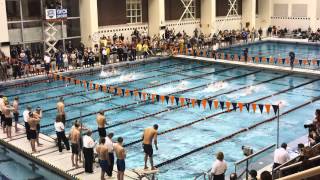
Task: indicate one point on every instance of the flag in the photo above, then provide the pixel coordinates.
(162, 99)
(216, 104)
(144, 95)
(177, 100)
(210, 103)
(261, 107)
(275, 109)
(222, 105)
(55, 76)
(199, 102)
(97, 87)
(234, 105)
(90, 85)
(247, 105)
(172, 100)
(158, 98)
(193, 102)
(127, 92)
(153, 97)
(268, 108)
(104, 88)
(240, 106)
(84, 84)
(254, 107)
(204, 103)
(167, 99)
(131, 92)
(182, 101)
(228, 104)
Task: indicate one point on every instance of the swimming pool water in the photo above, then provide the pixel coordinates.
(199, 126)
(277, 49)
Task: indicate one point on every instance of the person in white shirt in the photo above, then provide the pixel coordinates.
(61, 136)
(109, 145)
(47, 61)
(25, 115)
(88, 145)
(281, 156)
(219, 167)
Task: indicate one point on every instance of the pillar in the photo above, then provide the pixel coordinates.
(156, 17)
(208, 16)
(88, 21)
(265, 13)
(249, 13)
(313, 7)
(4, 37)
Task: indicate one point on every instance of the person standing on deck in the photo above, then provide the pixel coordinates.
(109, 144)
(219, 167)
(75, 140)
(292, 56)
(38, 113)
(61, 136)
(15, 105)
(7, 110)
(33, 121)
(60, 109)
(25, 115)
(121, 156)
(88, 145)
(101, 121)
(104, 160)
(149, 134)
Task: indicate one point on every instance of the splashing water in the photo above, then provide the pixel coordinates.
(216, 87)
(108, 73)
(170, 88)
(124, 78)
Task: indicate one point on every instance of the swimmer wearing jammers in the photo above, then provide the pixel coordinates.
(149, 134)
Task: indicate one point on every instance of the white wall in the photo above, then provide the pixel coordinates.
(187, 25)
(229, 23)
(4, 35)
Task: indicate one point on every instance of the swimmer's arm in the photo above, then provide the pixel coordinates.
(143, 135)
(156, 140)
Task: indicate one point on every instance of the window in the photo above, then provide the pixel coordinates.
(234, 8)
(192, 9)
(134, 11)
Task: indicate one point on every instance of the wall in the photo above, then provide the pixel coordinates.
(295, 14)
(125, 29)
(229, 23)
(187, 25)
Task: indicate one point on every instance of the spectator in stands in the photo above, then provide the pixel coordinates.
(219, 167)
(313, 138)
(265, 175)
(281, 156)
(253, 174)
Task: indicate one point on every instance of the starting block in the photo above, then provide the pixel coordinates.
(145, 173)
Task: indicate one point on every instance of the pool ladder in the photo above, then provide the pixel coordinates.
(205, 175)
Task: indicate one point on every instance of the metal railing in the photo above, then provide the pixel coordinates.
(204, 175)
(243, 166)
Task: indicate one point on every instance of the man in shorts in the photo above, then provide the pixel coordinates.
(7, 111)
(149, 134)
(75, 144)
(103, 156)
(101, 121)
(33, 121)
(15, 105)
(121, 156)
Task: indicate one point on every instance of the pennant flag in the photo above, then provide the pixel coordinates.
(228, 104)
(240, 106)
(275, 109)
(135, 93)
(140, 94)
(162, 99)
(273, 61)
(222, 105)
(131, 93)
(234, 105)
(193, 102)
(268, 108)
(268, 60)
(182, 101)
(261, 107)
(84, 84)
(167, 99)
(199, 102)
(216, 104)
(283, 60)
(253, 59)
(61, 77)
(127, 92)
(300, 62)
(158, 98)
(90, 85)
(247, 105)
(204, 103)
(305, 62)
(121, 92)
(55, 76)
(210, 103)
(172, 100)
(177, 100)
(153, 96)
(318, 62)
(254, 107)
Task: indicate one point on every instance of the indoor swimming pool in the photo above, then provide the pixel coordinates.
(188, 137)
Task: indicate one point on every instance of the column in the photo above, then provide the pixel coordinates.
(88, 21)
(156, 17)
(208, 16)
(249, 13)
(313, 7)
(265, 13)
(4, 37)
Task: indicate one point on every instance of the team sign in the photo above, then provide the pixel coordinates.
(52, 14)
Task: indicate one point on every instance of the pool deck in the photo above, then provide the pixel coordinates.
(49, 153)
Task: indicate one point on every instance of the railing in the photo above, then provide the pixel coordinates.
(204, 175)
(243, 166)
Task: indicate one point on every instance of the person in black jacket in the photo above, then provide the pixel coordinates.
(292, 56)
